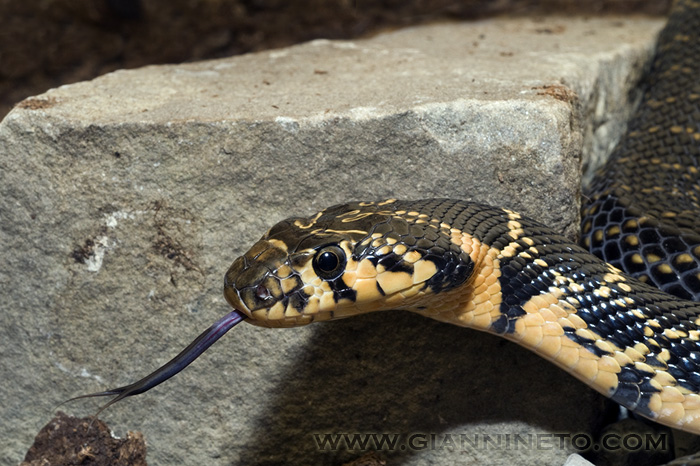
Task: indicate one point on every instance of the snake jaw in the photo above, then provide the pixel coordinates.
(234, 300)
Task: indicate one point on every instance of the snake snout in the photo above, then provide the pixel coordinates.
(230, 280)
(263, 285)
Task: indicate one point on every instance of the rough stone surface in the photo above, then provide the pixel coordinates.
(124, 199)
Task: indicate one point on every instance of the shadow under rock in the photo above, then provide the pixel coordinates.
(397, 372)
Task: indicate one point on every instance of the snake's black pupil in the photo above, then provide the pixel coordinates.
(328, 261)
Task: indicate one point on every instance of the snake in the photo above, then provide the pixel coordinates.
(618, 311)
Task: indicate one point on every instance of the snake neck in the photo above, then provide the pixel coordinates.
(626, 339)
(477, 303)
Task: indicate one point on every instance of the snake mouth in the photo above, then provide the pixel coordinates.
(232, 298)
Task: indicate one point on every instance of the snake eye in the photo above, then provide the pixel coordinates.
(329, 262)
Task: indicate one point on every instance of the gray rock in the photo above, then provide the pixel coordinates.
(123, 200)
(577, 460)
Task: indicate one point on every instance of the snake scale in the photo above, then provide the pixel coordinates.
(634, 336)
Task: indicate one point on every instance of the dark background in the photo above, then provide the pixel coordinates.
(46, 43)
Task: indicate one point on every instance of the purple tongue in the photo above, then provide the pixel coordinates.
(175, 365)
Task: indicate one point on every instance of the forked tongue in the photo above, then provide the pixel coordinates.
(175, 365)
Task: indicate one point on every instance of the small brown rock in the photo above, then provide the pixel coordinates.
(369, 459)
(69, 440)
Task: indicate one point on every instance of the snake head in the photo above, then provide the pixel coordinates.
(346, 260)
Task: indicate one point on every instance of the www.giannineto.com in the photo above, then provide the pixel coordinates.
(581, 442)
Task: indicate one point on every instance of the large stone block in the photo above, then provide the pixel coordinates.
(123, 200)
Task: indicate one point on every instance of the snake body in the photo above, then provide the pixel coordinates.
(494, 270)
(642, 213)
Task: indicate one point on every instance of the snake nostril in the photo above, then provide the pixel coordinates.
(262, 292)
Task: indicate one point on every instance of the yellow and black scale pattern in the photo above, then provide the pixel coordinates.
(486, 268)
(642, 213)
